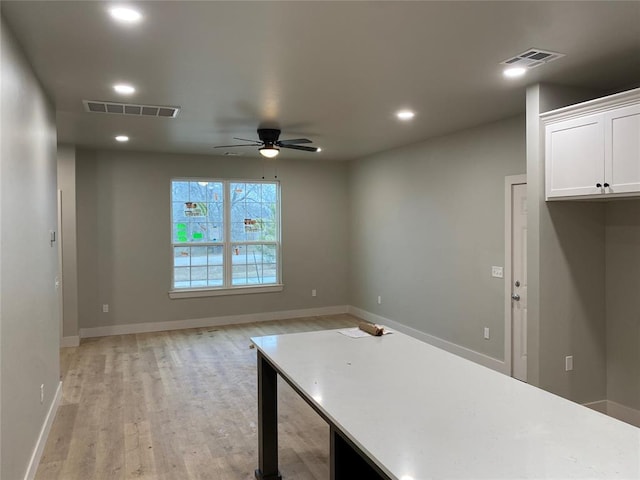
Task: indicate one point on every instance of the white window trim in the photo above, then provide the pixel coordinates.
(227, 290)
(215, 292)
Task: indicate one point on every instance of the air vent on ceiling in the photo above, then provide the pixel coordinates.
(97, 106)
(532, 58)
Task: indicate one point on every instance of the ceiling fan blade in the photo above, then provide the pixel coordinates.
(248, 140)
(294, 141)
(239, 145)
(300, 147)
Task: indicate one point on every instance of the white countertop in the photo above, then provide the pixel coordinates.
(421, 413)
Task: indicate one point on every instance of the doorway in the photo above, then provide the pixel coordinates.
(516, 276)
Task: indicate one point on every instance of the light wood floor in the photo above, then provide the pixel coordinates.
(178, 405)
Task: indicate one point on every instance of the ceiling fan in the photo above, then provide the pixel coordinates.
(270, 145)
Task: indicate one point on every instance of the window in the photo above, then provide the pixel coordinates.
(225, 235)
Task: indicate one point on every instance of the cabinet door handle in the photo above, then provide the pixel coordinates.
(598, 185)
(606, 185)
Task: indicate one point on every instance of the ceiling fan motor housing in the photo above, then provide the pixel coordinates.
(269, 136)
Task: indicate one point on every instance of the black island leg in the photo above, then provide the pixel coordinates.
(267, 421)
(349, 464)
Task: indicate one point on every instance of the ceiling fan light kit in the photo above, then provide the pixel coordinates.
(269, 152)
(270, 145)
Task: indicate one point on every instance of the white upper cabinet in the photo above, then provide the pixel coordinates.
(592, 150)
(622, 149)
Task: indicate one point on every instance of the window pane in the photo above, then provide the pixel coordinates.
(198, 267)
(198, 274)
(249, 264)
(215, 192)
(181, 277)
(215, 276)
(270, 273)
(270, 254)
(180, 232)
(198, 191)
(215, 212)
(253, 212)
(269, 212)
(239, 275)
(179, 191)
(254, 192)
(181, 257)
(177, 212)
(269, 192)
(198, 232)
(268, 232)
(198, 256)
(214, 256)
(197, 211)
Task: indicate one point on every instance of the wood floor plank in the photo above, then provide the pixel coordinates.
(178, 405)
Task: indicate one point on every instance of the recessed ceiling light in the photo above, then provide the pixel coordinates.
(124, 89)
(514, 72)
(122, 138)
(318, 150)
(125, 15)
(405, 114)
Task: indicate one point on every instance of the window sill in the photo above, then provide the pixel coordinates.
(216, 292)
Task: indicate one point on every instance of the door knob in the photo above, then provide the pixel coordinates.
(515, 296)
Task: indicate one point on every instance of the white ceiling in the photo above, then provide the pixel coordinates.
(334, 72)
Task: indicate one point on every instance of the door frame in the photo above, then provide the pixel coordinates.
(59, 277)
(509, 182)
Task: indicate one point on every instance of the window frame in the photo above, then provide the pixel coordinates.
(227, 244)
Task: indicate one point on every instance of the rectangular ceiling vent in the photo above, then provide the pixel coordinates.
(97, 106)
(532, 58)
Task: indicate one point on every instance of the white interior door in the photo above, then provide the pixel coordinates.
(519, 281)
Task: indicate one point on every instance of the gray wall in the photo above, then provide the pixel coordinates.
(29, 304)
(572, 300)
(566, 268)
(67, 185)
(623, 302)
(427, 224)
(124, 255)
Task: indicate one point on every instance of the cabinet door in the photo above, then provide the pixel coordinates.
(574, 157)
(622, 150)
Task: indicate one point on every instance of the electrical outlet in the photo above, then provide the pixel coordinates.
(313, 292)
(379, 300)
(105, 308)
(42, 393)
(568, 363)
(486, 333)
(497, 272)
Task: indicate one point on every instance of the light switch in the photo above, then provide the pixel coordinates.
(568, 363)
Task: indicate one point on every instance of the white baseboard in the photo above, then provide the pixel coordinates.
(44, 434)
(73, 341)
(616, 410)
(598, 406)
(209, 321)
(463, 352)
(624, 413)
